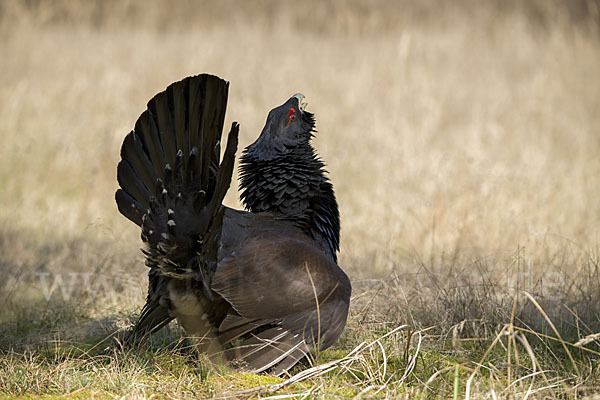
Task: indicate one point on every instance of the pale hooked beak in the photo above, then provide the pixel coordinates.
(300, 97)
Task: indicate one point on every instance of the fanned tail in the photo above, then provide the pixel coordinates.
(173, 183)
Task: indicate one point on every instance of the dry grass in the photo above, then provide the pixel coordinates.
(463, 139)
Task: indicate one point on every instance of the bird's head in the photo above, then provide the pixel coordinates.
(288, 127)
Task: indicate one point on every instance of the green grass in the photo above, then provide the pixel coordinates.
(166, 366)
(52, 347)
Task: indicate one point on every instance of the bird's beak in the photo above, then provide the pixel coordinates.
(300, 97)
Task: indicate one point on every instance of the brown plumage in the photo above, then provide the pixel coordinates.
(260, 287)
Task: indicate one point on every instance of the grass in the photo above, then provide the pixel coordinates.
(462, 140)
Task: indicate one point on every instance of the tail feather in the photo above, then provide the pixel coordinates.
(197, 116)
(212, 118)
(161, 109)
(173, 183)
(226, 169)
(133, 152)
(180, 131)
(177, 97)
(147, 130)
(130, 207)
(127, 177)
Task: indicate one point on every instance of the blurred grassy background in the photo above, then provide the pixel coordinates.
(462, 138)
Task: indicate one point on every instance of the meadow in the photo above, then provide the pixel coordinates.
(463, 142)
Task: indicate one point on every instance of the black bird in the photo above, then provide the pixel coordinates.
(261, 287)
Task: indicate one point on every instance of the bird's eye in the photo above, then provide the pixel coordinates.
(292, 115)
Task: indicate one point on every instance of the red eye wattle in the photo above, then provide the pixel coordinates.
(292, 112)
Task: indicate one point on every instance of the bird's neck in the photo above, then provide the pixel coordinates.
(293, 187)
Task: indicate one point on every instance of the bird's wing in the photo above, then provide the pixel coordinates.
(289, 288)
(155, 314)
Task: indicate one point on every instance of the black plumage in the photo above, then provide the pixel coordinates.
(293, 187)
(261, 287)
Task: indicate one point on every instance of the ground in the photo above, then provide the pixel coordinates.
(463, 142)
